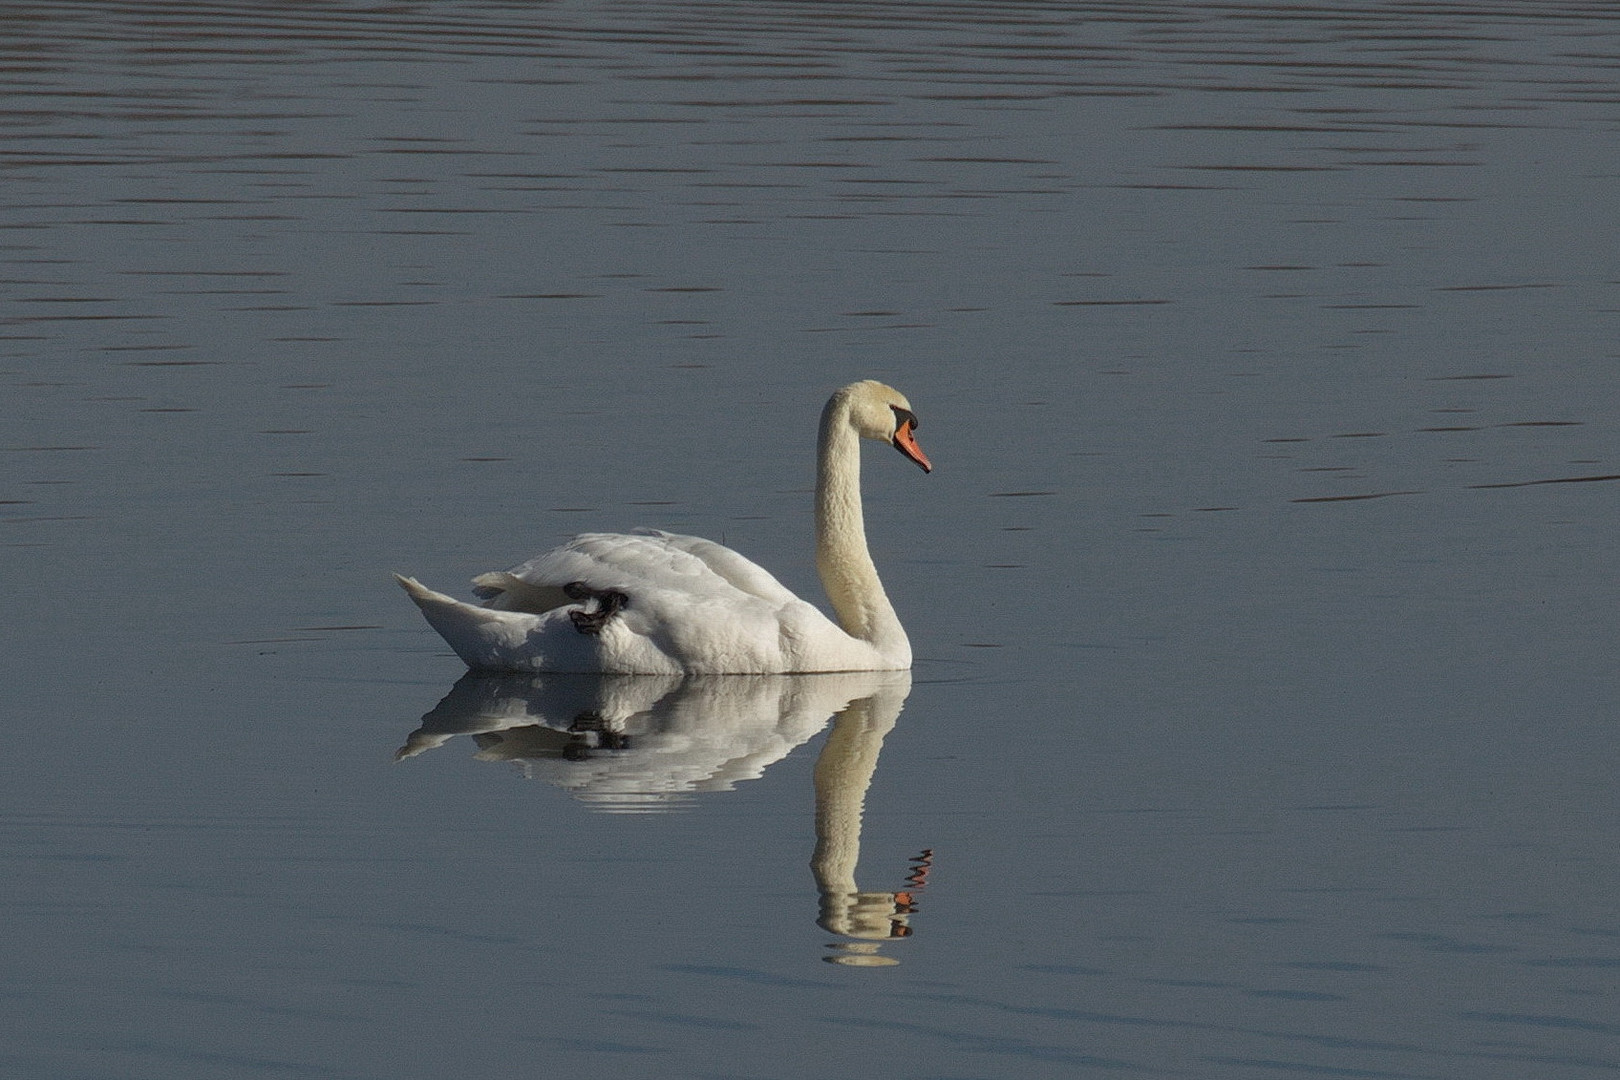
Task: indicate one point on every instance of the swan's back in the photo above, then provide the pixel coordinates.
(648, 562)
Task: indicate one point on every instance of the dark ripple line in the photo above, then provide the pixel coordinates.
(1354, 498)
(1555, 480)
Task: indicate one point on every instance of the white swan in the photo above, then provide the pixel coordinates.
(656, 603)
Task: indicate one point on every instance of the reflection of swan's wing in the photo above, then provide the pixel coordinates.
(715, 732)
(703, 733)
(483, 703)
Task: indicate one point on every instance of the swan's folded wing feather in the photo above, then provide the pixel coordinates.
(507, 592)
(730, 631)
(647, 562)
(734, 568)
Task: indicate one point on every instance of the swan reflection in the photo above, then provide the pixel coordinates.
(651, 743)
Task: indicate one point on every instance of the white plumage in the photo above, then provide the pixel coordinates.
(657, 603)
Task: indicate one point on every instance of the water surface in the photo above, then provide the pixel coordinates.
(1263, 720)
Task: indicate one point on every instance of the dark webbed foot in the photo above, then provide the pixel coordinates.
(608, 604)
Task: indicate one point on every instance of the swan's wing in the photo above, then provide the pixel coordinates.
(715, 629)
(738, 570)
(508, 592)
(690, 606)
(642, 563)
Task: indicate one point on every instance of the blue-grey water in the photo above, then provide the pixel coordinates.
(1264, 596)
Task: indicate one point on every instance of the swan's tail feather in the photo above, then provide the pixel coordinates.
(418, 591)
(484, 638)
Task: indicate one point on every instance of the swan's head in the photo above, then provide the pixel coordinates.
(882, 413)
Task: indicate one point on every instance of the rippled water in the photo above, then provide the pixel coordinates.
(1263, 597)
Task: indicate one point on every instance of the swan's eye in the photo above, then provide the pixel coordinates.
(902, 417)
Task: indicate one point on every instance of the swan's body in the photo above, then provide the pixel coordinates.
(658, 603)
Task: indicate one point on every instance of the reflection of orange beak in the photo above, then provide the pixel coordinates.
(906, 443)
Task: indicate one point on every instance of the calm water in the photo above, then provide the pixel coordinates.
(1264, 721)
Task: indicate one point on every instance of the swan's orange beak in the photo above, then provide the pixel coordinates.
(906, 442)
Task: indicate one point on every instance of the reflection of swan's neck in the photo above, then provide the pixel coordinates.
(842, 558)
(843, 773)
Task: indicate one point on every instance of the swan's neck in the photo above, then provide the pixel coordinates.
(845, 565)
